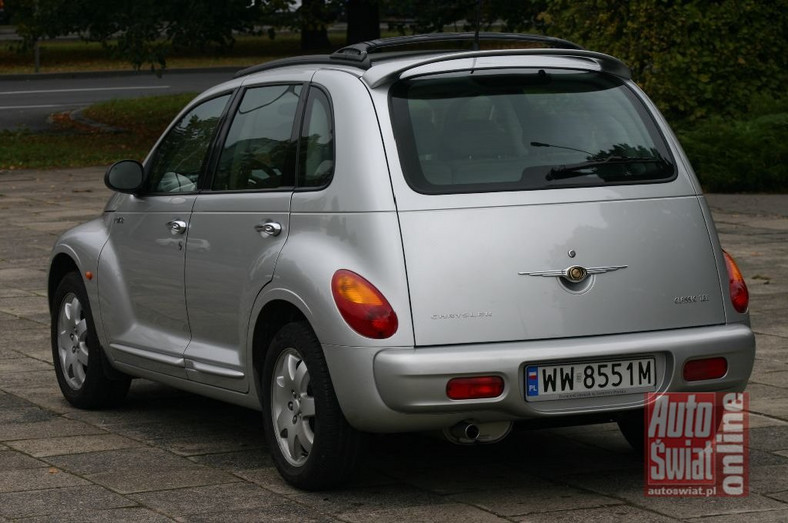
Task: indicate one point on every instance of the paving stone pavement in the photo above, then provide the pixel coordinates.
(168, 455)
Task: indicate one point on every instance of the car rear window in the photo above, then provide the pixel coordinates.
(513, 130)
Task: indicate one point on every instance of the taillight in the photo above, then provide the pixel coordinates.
(740, 296)
(474, 387)
(362, 306)
(706, 369)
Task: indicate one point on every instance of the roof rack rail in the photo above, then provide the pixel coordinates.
(360, 52)
(358, 55)
(282, 62)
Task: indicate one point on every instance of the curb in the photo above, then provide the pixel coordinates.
(78, 117)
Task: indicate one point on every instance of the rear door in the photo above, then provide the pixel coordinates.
(544, 204)
(238, 227)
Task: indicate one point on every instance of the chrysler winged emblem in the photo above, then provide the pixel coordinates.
(575, 273)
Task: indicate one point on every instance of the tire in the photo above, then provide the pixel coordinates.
(80, 364)
(633, 426)
(311, 442)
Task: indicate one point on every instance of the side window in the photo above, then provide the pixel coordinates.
(316, 165)
(258, 152)
(177, 163)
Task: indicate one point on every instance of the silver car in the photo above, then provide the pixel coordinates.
(380, 241)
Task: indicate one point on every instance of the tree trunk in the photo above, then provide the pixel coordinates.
(314, 32)
(363, 20)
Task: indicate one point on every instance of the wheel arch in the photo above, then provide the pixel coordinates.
(78, 250)
(274, 315)
(61, 265)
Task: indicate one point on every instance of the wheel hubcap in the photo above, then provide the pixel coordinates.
(72, 345)
(292, 407)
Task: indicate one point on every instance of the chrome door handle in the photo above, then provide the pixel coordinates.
(177, 227)
(269, 228)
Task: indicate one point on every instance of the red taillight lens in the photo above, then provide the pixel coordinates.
(740, 296)
(474, 388)
(362, 306)
(708, 369)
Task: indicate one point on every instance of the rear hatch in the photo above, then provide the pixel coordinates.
(494, 251)
(489, 274)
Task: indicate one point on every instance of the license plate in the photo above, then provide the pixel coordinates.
(590, 379)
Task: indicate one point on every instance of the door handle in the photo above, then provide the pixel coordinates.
(269, 228)
(177, 227)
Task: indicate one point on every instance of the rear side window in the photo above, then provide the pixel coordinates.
(508, 131)
(316, 165)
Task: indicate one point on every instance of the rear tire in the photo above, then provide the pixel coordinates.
(633, 426)
(311, 442)
(78, 358)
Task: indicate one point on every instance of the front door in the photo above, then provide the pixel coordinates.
(141, 271)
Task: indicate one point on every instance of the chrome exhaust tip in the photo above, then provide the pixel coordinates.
(469, 433)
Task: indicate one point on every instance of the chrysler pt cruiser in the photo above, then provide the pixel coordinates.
(398, 237)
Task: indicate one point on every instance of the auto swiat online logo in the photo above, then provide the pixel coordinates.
(696, 444)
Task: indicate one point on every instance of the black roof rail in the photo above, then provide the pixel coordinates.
(358, 55)
(282, 62)
(360, 52)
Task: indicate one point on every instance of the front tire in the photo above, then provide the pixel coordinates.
(311, 442)
(78, 358)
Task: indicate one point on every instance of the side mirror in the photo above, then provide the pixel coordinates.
(125, 176)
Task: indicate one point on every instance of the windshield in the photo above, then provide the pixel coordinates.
(540, 129)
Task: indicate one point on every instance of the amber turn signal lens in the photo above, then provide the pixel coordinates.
(363, 306)
(740, 296)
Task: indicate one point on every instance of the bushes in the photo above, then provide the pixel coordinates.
(702, 62)
(695, 58)
(747, 154)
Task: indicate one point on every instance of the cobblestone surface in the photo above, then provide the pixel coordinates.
(168, 455)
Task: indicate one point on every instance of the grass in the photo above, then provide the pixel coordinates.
(71, 144)
(139, 115)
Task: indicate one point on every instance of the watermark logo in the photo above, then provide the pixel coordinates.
(696, 444)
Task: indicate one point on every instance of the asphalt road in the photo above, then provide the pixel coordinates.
(26, 101)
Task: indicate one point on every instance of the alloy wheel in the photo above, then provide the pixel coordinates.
(292, 407)
(72, 341)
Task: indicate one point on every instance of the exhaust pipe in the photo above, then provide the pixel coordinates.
(469, 433)
(464, 432)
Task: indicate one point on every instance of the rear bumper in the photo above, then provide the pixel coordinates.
(404, 389)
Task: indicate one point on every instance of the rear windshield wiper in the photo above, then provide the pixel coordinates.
(573, 170)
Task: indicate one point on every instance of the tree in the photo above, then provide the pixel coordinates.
(693, 57)
(142, 31)
(40, 19)
(363, 20)
(315, 16)
(434, 16)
